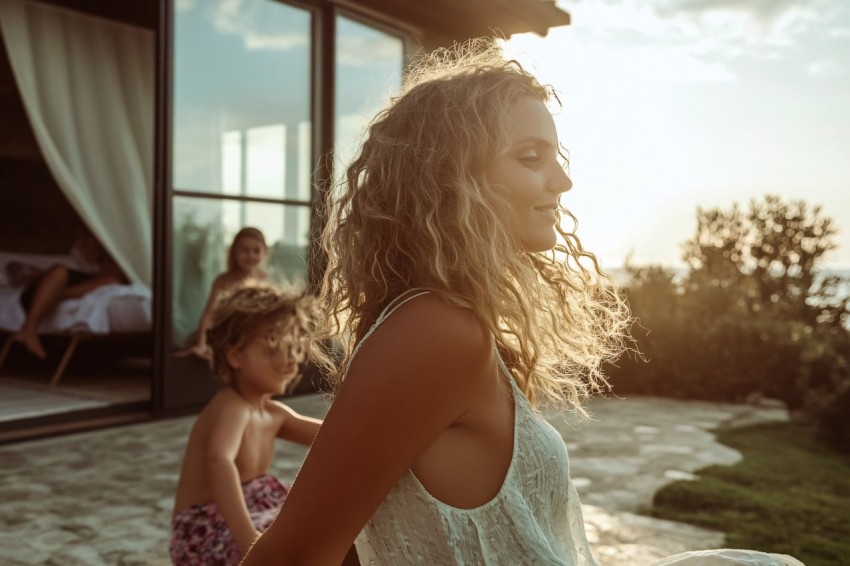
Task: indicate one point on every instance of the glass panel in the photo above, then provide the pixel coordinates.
(203, 231)
(242, 99)
(368, 71)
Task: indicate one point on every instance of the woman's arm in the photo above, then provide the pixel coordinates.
(230, 418)
(414, 377)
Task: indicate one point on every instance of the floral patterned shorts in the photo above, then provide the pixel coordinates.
(199, 534)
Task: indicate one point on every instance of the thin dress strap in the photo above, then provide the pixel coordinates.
(406, 296)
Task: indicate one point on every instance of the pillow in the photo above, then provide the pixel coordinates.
(19, 274)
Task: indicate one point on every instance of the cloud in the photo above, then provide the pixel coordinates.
(839, 33)
(622, 16)
(275, 41)
(245, 19)
(642, 46)
(765, 11)
(826, 68)
(706, 40)
(729, 28)
(359, 51)
(658, 64)
(736, 28)
(681, 66)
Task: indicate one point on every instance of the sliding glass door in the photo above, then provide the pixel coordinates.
(247, 106)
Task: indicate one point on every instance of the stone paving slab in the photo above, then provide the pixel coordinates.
(105, 497)
(633, 447)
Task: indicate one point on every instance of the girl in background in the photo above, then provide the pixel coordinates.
(245, 258)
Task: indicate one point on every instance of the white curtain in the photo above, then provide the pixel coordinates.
(88, 88)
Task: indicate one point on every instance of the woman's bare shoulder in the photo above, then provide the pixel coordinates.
(432, 339)
(430, 317)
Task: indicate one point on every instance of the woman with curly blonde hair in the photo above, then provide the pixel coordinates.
(462, 305)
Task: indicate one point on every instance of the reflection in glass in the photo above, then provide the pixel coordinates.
(368, 71)
(203, 231)
(231, 163)
(266, 168)
(242, 99)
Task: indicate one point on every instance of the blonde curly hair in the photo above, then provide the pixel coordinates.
(286, 316)
(416, 211)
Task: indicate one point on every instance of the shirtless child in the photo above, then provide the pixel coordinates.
(225, 496)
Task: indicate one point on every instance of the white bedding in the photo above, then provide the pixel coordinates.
(105, 310)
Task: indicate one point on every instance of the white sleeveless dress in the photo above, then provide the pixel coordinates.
(535, 518)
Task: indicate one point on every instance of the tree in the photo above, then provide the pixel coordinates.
(754, 315)
(772, 253)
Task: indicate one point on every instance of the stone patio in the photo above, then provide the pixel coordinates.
(105, 497)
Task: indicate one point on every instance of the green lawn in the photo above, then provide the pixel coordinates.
(789, 494)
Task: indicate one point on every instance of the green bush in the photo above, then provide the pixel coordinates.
(750, 318)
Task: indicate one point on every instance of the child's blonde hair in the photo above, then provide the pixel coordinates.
(241, 313)
(247, 232)
(416, 210)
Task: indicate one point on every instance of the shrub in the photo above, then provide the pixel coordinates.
(752, 317)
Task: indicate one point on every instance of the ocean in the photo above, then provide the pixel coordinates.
(621, 277)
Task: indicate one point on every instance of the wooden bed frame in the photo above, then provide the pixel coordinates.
(76, 337)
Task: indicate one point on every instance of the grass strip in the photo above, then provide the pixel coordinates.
(790, 494)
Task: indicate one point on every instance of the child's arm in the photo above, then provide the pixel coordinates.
(297, 428)
(220, 459)
(200, 348)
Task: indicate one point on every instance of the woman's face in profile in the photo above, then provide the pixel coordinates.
(530, 174)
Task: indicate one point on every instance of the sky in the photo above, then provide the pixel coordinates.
(671, 105)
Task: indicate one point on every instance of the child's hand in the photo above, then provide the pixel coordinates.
(200, 350)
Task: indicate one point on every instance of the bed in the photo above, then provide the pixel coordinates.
(106, 311)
